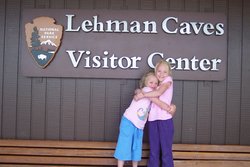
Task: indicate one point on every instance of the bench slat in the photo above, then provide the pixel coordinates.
(109, 153)
(211, 148)
(56, 160)
(60, 152)
(60, 160)
(211, 156)
(42, 162)
(111, 145)
(57, 144)
(211, 163)
(56, 152)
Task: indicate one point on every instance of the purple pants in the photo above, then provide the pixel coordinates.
(161, 133)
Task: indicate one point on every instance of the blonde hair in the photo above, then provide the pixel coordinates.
(167, 64)
(144, 78)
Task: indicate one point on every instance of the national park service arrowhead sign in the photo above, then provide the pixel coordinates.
(43, 39)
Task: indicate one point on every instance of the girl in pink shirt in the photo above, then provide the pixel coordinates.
(160, 123)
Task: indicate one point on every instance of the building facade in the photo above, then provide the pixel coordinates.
(55, 108)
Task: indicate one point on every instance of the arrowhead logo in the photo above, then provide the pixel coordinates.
(43, 39)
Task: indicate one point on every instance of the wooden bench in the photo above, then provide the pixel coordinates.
(83, 153)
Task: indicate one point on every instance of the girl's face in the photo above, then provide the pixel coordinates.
(151, 81)
(162, 72)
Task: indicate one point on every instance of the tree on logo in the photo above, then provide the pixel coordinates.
(35, 42)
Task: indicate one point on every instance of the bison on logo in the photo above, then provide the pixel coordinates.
(43, 38)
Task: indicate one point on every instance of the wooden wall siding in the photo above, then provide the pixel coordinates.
(234, 72)
(219, 93)
(91, 109)
(2, 20)
(9, 81)
(245, 80)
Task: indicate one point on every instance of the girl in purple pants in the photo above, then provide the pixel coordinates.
(160, 123)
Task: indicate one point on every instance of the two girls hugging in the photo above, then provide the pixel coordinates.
(152, 103)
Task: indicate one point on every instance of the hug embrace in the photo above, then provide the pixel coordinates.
(152, 104)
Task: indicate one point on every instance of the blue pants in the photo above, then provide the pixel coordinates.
(129, 144)
(161, 133)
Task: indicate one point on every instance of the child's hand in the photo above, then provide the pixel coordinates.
(172, 109)
(138, 96)
(137, 91)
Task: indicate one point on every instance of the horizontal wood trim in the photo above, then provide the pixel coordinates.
(57, 152)
(210, 163)
(211, 156)
(57, 144)
(55, 160)
(211, 148)
(111, 145)
(109, 153)
(176, 164)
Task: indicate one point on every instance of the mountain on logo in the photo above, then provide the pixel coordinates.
(49, 46)
(48, 42)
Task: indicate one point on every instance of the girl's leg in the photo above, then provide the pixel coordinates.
(120, 163)
(135, 163)
(124, 143)
(154, 144)
(166, 130)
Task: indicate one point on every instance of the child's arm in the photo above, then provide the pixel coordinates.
(137, 93)
(160, 103)
(169, 108)
(156, 93)
(172, 109)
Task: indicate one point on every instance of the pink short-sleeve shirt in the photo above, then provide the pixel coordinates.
(156, 113)
(137, 112)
